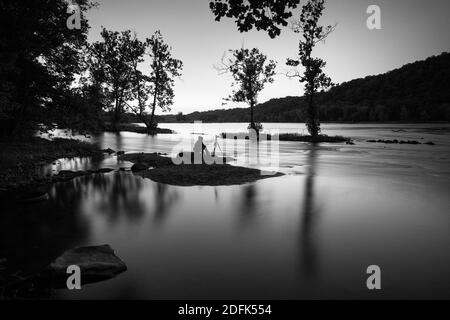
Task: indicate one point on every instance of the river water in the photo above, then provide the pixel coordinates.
(311, 233)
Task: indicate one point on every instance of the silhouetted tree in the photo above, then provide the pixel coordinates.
(140, 82)
(163, 70)
(115, 63)
(111, 64)
(39, 58)
(268, 15)
(313, 75)
(82, 111)
(251, 71)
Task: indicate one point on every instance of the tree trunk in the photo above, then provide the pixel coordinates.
(312, 121)
(252, 122)
(148, 125)
(152, 116)
(116, 115)
(116, 118)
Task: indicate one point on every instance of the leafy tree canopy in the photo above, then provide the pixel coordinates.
(39, 59)
(265, 15)
(251, 71)
(313, 75)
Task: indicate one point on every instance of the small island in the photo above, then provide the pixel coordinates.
(162, 169)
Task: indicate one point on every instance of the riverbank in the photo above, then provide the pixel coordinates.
(131, 127)
(20, 161)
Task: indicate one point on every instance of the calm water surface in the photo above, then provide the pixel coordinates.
(308, 234)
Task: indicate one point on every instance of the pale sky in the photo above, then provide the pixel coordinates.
(411, 30)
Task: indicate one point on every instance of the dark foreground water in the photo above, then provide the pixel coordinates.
(309, 234)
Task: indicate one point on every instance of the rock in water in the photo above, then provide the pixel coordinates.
(108, 151)
(97, 263)
(139, 167)
(104, 170)
(34, 196)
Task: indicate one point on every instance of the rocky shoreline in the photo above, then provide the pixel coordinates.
(396, 141)
(293, 137)
(20, 161)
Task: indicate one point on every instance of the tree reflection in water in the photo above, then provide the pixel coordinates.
(33, 235)
(309, 216)
(164, 198)
(249, 206)
(121, 195)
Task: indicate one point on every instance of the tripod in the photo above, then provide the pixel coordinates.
(216, 145)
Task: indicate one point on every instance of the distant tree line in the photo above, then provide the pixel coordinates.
(415, 92)
(418, 91)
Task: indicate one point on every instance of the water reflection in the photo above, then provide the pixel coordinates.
(256, 240)
(117, 196)
(164, 198)
(118, 141)
(33, 235)
(309, 216)
(249, 206)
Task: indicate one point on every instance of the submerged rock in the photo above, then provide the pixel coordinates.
(149, 159)
(108, 151)
(33, 196)
(189, 158)
(97, 263)
(104, 170)
(65, 175)
(409, 142)
(395, 141)
(139, 167)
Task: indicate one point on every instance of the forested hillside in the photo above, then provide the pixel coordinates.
(419, 91)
